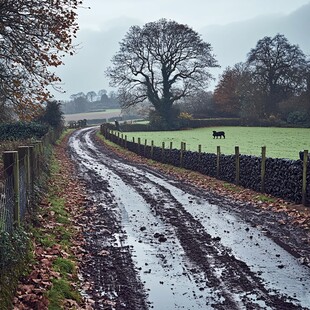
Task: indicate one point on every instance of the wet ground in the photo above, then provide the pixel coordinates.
(153, 242)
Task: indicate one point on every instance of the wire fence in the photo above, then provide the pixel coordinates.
(6, 205)
(21, 171)
(284, 178)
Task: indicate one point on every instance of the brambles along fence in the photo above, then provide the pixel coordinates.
(284, 178)
(20, 174)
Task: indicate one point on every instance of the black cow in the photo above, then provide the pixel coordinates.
(117, 126)
(218, 134)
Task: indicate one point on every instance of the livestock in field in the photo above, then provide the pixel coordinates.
(117, 126)
(218, 134)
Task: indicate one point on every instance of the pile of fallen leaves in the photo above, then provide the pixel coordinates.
(33, 290)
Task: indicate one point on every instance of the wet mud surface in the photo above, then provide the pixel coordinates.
(153, 242)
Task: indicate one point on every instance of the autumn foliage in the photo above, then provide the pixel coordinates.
(35, 35)
(226, 96)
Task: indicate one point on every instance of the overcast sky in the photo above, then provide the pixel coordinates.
(232, 27)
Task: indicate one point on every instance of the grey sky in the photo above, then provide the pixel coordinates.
(231, 26)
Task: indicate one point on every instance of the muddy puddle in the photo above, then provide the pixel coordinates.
(183, 251)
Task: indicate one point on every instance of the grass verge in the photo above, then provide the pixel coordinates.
(52, 282)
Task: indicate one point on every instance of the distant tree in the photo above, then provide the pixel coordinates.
(161, 62)
(35, 34)
(227, 92)
(91, 96)
(102, 92)
(104, 98)
(199, 105)
(278, 68)
(80, 104)
(77, 95)
(52, 114)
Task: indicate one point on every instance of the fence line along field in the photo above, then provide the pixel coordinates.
(279, 142)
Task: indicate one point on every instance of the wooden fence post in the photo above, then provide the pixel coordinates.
(139, 145)
(36, 159)
(31, 173)
(125, 141)
(263, 169)
(11, 168)
(24, 178)
(237, 155)
(145, 144)
(152, 149)
(181, 155)
(162, 151)
(199, 152)
(218, 153)
(24, 152)
(304, 178)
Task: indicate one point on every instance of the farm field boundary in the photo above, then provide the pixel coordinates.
(279, 142)
(285, 178)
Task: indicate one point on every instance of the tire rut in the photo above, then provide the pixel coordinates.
(130, 208)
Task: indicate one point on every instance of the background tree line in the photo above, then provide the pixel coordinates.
(272, 85)
(90, 102)
(165, 66)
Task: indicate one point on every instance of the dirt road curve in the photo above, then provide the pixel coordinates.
(156, 243)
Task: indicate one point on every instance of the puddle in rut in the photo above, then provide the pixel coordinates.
(162, 266)
(280, 271)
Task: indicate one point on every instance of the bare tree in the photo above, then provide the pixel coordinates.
(91, 96)
(161, 62)
(35, 34)
(279, 70)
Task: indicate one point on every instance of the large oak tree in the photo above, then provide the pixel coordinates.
(34, 36)
(279, 70)
(161, 62)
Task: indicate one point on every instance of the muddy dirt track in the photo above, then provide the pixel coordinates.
(157, 243)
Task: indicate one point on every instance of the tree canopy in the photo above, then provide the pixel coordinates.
(161, 62)
(279, 69)
(35, 34)
(52, 115)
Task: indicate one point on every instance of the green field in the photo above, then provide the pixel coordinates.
(93, 115)
(279, 142)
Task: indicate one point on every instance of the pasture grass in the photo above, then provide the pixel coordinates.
(93, 115)
(279, 142)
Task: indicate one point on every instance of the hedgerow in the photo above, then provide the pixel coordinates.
(22, 131)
